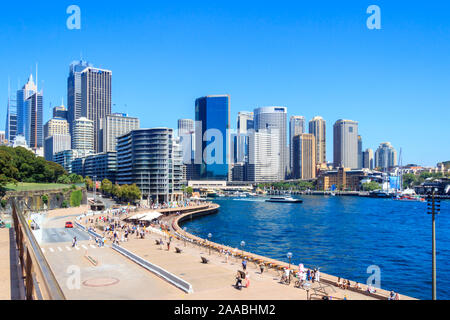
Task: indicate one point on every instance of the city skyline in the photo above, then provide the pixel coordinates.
(365, 73)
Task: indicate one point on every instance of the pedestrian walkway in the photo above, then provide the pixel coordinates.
(9, 278)
(64, 247)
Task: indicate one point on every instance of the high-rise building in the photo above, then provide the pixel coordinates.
(34, 129)
(245, 124)
(212, 138)
(3, 140)
(23, 112)
(360, 153)
(317, 127)
(385, 156)
(111, 127)
(101, 165)
(60, 112)
(74, 90)
(56, 143)
(296, 127)
(346, 144)
(11, 120)
(83, 135)
(151, 159)
(56, 126)
(186, 133)
(269, 118)
(65, 159)
(368, 159)
(304, 156)
(95, 97)
(264, 158)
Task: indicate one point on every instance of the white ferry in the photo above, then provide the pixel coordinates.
(284, 200)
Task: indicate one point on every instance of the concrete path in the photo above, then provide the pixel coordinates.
(10, 285)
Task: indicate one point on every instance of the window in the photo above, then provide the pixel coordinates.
(350, 129)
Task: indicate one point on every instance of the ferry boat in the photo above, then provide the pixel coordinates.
(284, 200)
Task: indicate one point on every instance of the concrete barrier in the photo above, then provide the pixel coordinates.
(160, 272)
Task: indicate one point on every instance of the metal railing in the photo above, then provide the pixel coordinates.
(39, 281)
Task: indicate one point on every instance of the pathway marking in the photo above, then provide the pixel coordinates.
(84, 247)
(68, 249)
(59, 249)
(51, 250)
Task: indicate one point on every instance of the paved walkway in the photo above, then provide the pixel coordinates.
(9, 279)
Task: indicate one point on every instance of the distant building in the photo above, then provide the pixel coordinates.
(368, 159)
(304, 157)
(111, 127)
(83, 135)
(238, 172)
(245, 124)
(11, 120)
(20, 141)
(342, 179)
(23, 112)
(60, 112)
(3, 140)
(34, 130)
(317, 127)
(360, 153)
(56, 143)
(65, 159)
(101, 166)
(56, 126)
(212, 137)
(74, 91)
(346, 144)
(186, 133)
(385, 157)
(264, 159)
(151, 159)
(296, 127)
(271, 118)
(96, 97)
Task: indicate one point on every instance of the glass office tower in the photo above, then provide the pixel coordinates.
(212, 137)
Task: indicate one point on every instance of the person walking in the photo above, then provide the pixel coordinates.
(74, 242)
(244, 264)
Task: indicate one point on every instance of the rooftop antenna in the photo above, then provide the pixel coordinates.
(37, 82)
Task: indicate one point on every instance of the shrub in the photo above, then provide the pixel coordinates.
(65, 204)
(75, 198)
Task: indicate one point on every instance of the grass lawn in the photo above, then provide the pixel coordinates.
(35, 186)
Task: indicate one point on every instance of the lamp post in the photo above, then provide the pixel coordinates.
(434, 207)
(209, 237)
(242, 245)
(184, 229)
(289, 255)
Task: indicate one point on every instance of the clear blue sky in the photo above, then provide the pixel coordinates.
(315, 57)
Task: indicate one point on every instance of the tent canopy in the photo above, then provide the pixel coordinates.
(150, 216)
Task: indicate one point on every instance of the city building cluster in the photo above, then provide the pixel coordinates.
(88, 139)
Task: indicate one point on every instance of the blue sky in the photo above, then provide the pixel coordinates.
(315, 57)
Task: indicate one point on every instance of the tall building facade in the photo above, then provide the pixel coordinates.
(74, 90)
(56, 126)
(34, 131)
(245, 124)
(11, 120)
(150, 159)
(368, 159)
(23, 111)
(60, 112)
(346, 144)
(83, 135)
(186, 133)
(304, 156)
(212, 138)
(269, 118)
(96, 97)
(56, 143)
(111, 127)
(264, 159)
(385, 156)
(360, 153)
(317, 127)
(296, 127)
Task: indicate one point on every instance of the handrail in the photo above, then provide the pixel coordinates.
(40, 282)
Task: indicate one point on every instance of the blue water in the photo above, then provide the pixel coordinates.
(341, 235)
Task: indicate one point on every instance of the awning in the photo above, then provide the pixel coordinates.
(150, 216)
(137, 216)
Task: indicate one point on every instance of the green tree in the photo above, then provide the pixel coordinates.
(189, 191)
(106, 186)
(45, 199)
(371, 186)
(75, 198)
(64, 179)
(89, 183)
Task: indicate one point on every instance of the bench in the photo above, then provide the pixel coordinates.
(178, 250)
(204, 260)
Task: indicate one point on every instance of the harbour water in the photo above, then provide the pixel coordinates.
(341, 235)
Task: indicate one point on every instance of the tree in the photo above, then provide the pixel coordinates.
(75, 198)
(106, 186)
(371, 186)
(189, 191)
(64, 179)
(75, 178)
(410, 180)
(89, 183)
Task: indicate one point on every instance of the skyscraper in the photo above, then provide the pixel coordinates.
(74, 90)
(56, 126)
(385, 156)
(296, 127)
(360, 153)
(11, 119)
(60, 112)
(113, 126)
(34, 128)
(212, 137)
(346, 144)
(186, 133)
(304, 156)
(245, 122)
(368, 159)
(56, 143)
(264, 160)
(23, 113)
(83, 136)
(267, 118)
(317, 127)
(95, 97)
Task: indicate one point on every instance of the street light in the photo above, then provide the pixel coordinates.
(184, 229)
(209, 237)
(434, 207)
(289, 255)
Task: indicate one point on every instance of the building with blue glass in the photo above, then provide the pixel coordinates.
(212, 137)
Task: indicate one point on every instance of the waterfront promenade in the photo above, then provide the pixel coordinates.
(10, 288)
